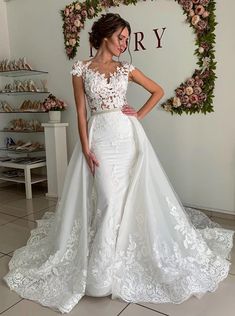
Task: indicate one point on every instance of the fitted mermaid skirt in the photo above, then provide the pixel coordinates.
(122, 232)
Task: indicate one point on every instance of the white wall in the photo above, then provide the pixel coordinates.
(4, 36)
(197, 152)
(4, 49)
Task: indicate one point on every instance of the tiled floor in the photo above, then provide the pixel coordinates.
(18, 216)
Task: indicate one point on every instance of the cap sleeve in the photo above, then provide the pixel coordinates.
(77, 69)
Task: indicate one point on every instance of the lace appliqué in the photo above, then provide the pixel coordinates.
(48, 275)
(161, 272)
(104, 93)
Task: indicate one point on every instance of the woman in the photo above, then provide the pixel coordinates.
(119, 227)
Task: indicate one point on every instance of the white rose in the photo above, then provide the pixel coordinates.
(201, 50)
(77, 6)
(77, 23)
(189, 90)
(195, 19)
(176, 102)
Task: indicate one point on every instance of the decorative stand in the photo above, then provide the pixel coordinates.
(56, 156)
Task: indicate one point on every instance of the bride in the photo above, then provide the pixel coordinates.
(119, 228)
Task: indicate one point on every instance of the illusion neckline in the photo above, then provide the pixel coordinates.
(104, 75)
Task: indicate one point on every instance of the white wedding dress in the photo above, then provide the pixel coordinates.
(123, 232)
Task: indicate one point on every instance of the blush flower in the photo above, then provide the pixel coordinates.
(77, 6)
(72, 41)
(202, 25)
(189, 90)
(184, 99)
(205, 14)
(77, 23)
(176, 102)
(193, 98)
(190, 82)
(204, 2)
(199, 9)
(180, 91)
(197, 90)
(195, 19)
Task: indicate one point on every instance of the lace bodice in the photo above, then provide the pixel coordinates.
(104, 93)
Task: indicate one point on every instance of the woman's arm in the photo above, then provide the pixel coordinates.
(156, 91)
(79, 96)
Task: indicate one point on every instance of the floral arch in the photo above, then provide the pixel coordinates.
(195, 95)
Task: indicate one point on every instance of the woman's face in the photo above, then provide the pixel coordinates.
(117, 43)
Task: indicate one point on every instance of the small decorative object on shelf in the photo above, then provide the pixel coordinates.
(20, 125)
(24, 86)
(26, 106)
(54, 106)
(10, 65)
(20, 146)
(35, 106)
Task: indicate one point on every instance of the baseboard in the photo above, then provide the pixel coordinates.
(212, 211)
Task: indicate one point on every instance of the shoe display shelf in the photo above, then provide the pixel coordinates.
(27, 176)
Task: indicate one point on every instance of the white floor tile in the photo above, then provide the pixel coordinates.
(137, 310)
(86, 307)
(4, 218)
(8, 298)
(225, 223)
(220, 302)
(23, 207)
(38, 215)
(14, 235)
(6, 196)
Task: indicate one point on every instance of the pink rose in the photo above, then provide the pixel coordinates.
(205, 45)
(197, 90)
(180, 91)
(187, 5)
(204, 2)
(72, 41)
(184, 99)
(205, 74)
(205, 14)
(69, 50)
(195, 1)
(202, 97)
(190, 82)
(199, 9)
(66, 12)
(191, 13)
(84, 13)
(199, 82)
(202, 25)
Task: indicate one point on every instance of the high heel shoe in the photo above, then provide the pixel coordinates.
(25, 64)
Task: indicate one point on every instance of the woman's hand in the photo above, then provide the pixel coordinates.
(91, 160)
(128, 110)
